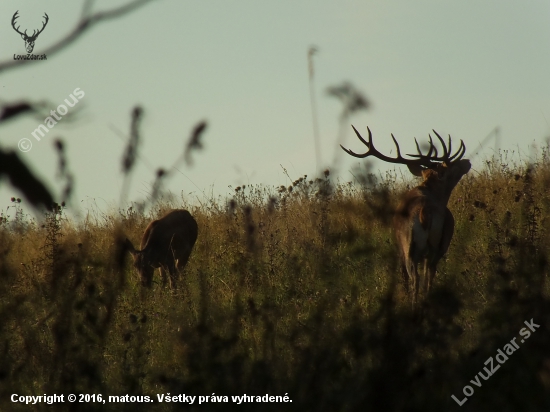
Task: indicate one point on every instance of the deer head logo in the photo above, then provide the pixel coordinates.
(29, 40)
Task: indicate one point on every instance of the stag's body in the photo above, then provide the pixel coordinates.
(423, 224)
(166, 244)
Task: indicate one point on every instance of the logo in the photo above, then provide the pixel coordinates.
(29, 40)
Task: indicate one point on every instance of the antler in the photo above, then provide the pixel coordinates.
(15, 16)
(446, 157)
(422, 160)
(426, 160)
(34, 33)
(43, 25)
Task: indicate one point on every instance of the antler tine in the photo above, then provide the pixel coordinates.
(396, 146)
(450, 145)
(459, 153)
(446, 153)
(463, 149)
(368, 144)
(351, 153)
(427, 156)
(432, 148)
(417, 149)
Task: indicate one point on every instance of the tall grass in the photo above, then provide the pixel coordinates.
(289, 290)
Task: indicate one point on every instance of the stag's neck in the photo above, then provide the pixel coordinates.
(435, 190)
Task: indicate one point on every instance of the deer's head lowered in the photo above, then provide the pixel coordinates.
(29, 40)
(422, 223)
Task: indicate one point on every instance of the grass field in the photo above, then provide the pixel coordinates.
(289, 291)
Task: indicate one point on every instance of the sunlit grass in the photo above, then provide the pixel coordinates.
(288, 290)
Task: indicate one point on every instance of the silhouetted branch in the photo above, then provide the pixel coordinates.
(353, 101)
(15, 109)
(312, 50)
(194, 142)
(63, 170)
(22, 178)
(131, 151)
(39, 109)
(351, 97)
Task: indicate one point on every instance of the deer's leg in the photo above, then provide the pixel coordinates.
(410, 274)
(173, 274)
(432, 268)
(413, 276)
(405, 276)
(162, 271)
(430, 276)
(427, 276)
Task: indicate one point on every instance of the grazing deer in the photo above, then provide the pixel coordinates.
(422, 223)
(167, 245)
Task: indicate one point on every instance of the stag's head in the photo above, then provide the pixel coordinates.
(441, 172)
(29, 40)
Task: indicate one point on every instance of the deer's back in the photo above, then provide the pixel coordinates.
(177, 228)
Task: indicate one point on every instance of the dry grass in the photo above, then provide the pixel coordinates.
(289, 290)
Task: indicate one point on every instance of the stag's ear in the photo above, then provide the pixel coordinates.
(130, 247)
(415, 169)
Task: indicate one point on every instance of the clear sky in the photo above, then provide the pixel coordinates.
(461, 68)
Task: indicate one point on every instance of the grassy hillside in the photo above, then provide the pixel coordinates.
(291, 290)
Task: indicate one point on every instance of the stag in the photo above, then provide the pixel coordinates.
(29, 40)
(423, 224)
(167, 245)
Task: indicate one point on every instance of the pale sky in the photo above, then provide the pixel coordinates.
(461, 68)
